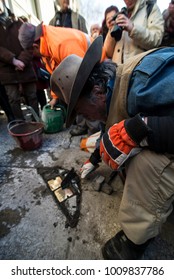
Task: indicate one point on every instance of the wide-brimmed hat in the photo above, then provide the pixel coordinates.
(28, 34)
(69, 78)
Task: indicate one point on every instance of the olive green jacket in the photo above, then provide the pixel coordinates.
(78, 22)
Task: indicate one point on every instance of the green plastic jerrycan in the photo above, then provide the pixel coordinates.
(53, 119)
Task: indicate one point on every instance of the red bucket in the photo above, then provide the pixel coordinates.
(28, 135)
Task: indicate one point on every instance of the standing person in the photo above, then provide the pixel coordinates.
(148, 191)
(142, 30)
(67, 17)
(15, 65)
(108, 22)
(41, 83)
(95, 30)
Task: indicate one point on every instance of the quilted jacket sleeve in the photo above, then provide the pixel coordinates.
(161, 138)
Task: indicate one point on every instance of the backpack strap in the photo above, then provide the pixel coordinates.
(149, 6)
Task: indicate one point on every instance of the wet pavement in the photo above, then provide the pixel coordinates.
(32, 223)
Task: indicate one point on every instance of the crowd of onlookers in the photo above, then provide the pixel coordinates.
(21, 79)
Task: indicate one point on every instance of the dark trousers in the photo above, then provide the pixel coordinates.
(4, 102)
(41, 97)
(14, 96)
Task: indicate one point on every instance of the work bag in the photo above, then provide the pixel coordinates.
(151, 86)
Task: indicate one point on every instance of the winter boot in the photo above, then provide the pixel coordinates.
(121, 248)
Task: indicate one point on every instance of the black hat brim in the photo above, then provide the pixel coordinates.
(91, 58)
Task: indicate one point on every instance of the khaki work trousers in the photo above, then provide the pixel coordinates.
(148, 195)
(91, 126)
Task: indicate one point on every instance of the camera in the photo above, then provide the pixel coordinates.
(116, 31)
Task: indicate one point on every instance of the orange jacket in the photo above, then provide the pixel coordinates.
(57, 43)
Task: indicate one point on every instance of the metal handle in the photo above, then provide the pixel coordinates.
(13, 123)
(36, 117)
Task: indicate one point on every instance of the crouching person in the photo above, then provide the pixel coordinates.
(138, 133)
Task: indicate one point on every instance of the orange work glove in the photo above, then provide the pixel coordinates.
(123, 141)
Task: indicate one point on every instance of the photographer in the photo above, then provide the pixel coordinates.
(142, 29)
(108, 21)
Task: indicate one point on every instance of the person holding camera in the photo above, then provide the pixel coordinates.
(168, 15)
(140, 28)
(108, 21)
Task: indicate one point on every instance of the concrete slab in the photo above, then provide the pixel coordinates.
(32, 225)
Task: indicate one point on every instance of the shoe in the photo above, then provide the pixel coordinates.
(121, 248)
(78, 131)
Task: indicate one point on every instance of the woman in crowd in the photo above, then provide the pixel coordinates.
(108, 23)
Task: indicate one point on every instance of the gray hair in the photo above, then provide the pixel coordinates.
(100, 75)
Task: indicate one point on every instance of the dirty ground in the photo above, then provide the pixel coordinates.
(32, 223)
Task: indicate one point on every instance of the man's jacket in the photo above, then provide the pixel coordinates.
(78, 22)
(10, 48)
(57, 43)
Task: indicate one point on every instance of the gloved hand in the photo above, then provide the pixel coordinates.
(91, 164)
(87, 168)
(123, 141)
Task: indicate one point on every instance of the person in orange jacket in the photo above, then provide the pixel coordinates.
(54, 44)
